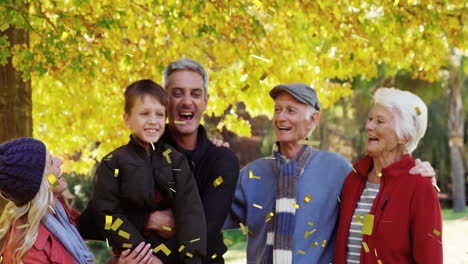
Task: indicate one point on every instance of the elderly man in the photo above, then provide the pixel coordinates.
(290, 202)
(215, 169)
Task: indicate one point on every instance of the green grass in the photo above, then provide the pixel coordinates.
(448, 214)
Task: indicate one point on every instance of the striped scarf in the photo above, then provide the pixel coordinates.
(281, 227)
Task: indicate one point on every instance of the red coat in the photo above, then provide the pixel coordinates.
(406, 213)
(46, 249)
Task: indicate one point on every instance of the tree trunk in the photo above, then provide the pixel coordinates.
(456, 124)
(15, 97)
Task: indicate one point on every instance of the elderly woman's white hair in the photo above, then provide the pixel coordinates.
(411, 114)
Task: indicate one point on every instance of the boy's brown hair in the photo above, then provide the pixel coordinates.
(141, 88)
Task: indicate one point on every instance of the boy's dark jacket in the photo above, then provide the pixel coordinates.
(130, 192)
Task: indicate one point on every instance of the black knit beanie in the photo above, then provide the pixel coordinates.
(22, 163)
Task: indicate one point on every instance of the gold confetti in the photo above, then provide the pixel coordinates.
(396, 2)
(324, 243)
(127, 245)
(251, 176)
(358, 218)
(268, 219)
(152, 146)
(264, 75)
(243, 228)
(245, 88)
(23, 226)
(181, 248)
(313, 231)
(180, 122)
(116, 172)
(218, 181)
(307, 198)
(108, 157)
(166, 154)
(437, 187)
(300, 251)
(258, 206)
(309, 142)
(107, 242)
(314, 244)
(52, 180)
(124, 234)
(260, 58)
(436, 232)
(368, 224)
(296, 205)
(366, 248)
(108, 222)
(310, 223)
(227, 241)
(167, 228)
(418, 112)
(162, 248)
(116, 224)
(379, 175)
(194, 240)
(189, 255)
(379, 261)
(352, 35)
(214, 256)
(271, 214)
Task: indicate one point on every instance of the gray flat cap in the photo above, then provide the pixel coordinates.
(300, 91)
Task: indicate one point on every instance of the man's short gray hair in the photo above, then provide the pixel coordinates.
(411, 118)
(188, 65)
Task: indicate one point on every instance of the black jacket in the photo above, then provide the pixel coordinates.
(129, 194)
(208, 162)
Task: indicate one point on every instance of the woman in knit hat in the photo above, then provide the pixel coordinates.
(37, 225)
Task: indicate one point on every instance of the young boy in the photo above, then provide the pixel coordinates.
(143, 176)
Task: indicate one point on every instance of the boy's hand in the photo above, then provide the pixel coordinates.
(423, 168)
(141, 254)
(220, 143)
(161, 222)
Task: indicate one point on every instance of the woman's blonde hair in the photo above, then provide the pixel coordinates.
(21, 240)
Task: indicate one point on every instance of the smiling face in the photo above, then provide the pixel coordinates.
(146, 119)
(382, 139)
(187, 101)
(53, 165)
(291, 119)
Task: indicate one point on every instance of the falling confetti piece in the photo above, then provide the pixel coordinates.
(358, 218)
(180, 122)
(324, 243)
(396, 2)
(167, 228)
(116, 172)
(307, 198)
(52, 180)
(127, 245)
(218, 181)
(309, 142)
(359, 37)
(354, 170)
(260, 58)
(314, 244)
(243, 228)
(176, 169)
(107, 242)
(313, 231)
(366, 248)
(181, 248)
(214, 256)
(264, 75)
(379, 175)
(375, 251)
(189, 255)
(194, 240)
(251, 176)
(23, 226)
(338, 199)
(166, 154)
(271, 214)
(296, 205)
(108, 157)
(245, 88)
(310, 223)
(258, 206)
(124, 234)
(268, 219)
(227, 241)
(435, 238)
(4, 27)
(436, 232)
(437, 187)
(128, 54)
(300, 251)
(162, 248)
(379, 261)
(152, 146)
(172, 190)
(417, 111)
(116, 224)
(368, 224)
(108, 222)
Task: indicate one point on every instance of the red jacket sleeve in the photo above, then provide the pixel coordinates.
(426, 224)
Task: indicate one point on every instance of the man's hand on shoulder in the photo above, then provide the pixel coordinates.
(425, 169)
(220, 143)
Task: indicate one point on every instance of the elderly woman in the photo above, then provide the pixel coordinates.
(387, 215)
(37, 225)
